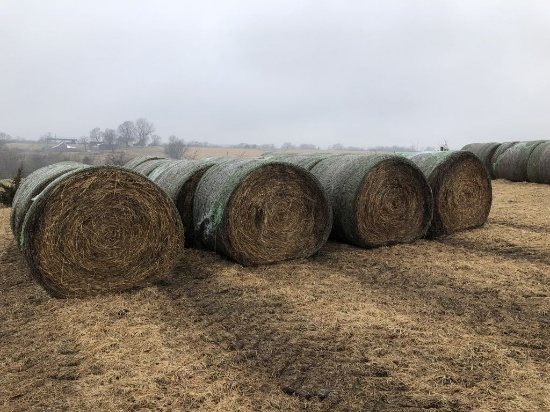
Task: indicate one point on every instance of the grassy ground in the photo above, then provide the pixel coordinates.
(456, 324)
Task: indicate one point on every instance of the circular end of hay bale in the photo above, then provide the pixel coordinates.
(461, 188)
(31, 186)
(377, 199)
(259, 212)
(101, 229)
(512, 163)
(538, 166)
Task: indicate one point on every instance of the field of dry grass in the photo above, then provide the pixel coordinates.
(456, 324)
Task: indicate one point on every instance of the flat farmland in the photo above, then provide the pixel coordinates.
(461, 323)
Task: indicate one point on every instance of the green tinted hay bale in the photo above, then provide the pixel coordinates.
(148, 166)
(305, 160)
(461, 187)
(377, 199)
(136, 161)
(179, 180)
(100, 229)
(31, 186)
(538, 166)
(512, 163)
(257, 211)
(485, 152)
(498, 151)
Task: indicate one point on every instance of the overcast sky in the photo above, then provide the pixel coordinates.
(361, 73)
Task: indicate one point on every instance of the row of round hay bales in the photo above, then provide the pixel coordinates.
(85, 230)
(515, 161)
(461, 187)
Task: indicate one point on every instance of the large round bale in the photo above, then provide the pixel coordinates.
(499, 150)
(179, 180)
(136, 161)
(100, 229)
(147, 167)
(538, 166)
(31, 186)
(484, 151)
(258, 211)
(377, 199)
(461, 188)
(305, 160)
(512, 163)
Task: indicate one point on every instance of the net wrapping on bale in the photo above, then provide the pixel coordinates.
(538, 165)
(257, 211)
(511, 164)
(485, 152)
(461, 188)
(100, 229)
(305, 160)
(377, 199)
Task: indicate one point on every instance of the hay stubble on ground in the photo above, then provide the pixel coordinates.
(457, 324)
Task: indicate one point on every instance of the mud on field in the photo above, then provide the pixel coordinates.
(457, 324)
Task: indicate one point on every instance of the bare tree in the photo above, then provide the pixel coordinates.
(83, 140)
(45, 137)
(144, 130)
(155, 140)
(127, 132)
(109, 136)
(175, 148)
(288, 146)
(4, 139)
(96, 135)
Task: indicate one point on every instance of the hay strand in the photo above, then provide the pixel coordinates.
(257, 211)
(100, 229)
(461, 187)
(377, 199)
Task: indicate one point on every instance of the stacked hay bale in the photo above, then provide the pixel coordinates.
(461, 187)
(499, 150)
(305, 160)
(376, 199)
(538, 165)
(485, 152)
(511, 164)
(179, 180)
(96, 229)
(258, 211)
(146, 164)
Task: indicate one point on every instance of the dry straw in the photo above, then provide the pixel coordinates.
(31, 186)
(376, 199)
(257, 211)
(100, 229)
(461, 188)
(485, 152)
(538, 166)
(511, 164)
(179, 180)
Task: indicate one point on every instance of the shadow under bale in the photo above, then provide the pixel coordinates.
(512, 163)
(376, 199)
(485, 152)
(257, 211)
(100, 229)
(461, 188)
(538, 166)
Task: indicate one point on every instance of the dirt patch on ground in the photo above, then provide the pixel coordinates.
(457, 324)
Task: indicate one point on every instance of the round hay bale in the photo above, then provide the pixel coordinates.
(31, 186)
(485, 152)
(498, 151)
(179, 180)
(136, 161)
(512, 163)
(377, 199)
(305, 160)
(257, 211)
(461, 188)
(100, 229)
(147, 167)
(538, 166)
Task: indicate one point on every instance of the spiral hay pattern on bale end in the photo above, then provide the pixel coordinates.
(377, 199)
(538, 166)
(179, 180)
(101, 229)
(512, 163)
(31, 186)
(461, 188)
(257, 211)
(485, 152)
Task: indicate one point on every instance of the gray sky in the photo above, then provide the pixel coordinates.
(362, 73)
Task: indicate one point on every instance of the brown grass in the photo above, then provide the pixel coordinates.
(457, 324)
